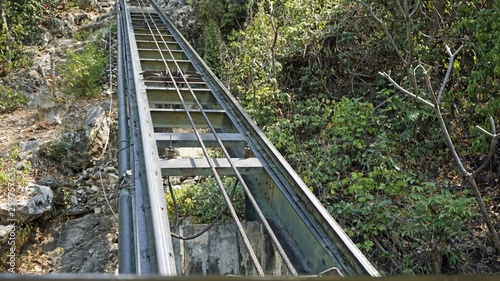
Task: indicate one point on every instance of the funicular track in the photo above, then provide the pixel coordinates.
(169, 98)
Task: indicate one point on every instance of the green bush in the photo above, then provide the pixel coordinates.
(11, 99)
(11, 176)
(23, 20)
(82, 71)
(203, 201)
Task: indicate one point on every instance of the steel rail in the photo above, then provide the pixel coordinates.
(319, 240)
(140, 233)
(216, 175)
(142, 238)
(281, 171)
(157, 255)
(250, 196)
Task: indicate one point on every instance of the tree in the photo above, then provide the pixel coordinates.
(419, 73)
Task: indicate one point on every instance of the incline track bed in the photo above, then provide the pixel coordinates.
(169, 98)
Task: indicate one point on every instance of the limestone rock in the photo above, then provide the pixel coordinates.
(50, 112)
(87, 5)
(71, 149)
(97, 129)
(39, 203)
(27, 148)
(86, 247)
(56, 27)
(183, 17)
(31, 204)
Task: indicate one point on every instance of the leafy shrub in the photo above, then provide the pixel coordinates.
(203, 201)
(23, 20)
(11, 99)
(82, 71)
(10, 175)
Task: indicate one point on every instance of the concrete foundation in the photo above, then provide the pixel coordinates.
(221, 251)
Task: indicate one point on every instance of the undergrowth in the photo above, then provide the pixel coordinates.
(203, 201)
(13, 177)
(11, 99)
(82, 70)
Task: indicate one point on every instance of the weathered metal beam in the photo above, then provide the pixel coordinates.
(173, 118)
(141, 36)
(154, 54)
(166, 96)
(149, 44)
(200, 166)
(161, 250)
(190, 140)
(158, 64)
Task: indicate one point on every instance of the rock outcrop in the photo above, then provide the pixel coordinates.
(183, 16)
(27, 204)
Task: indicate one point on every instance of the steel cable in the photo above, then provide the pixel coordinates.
(244, 236)
(252, 200)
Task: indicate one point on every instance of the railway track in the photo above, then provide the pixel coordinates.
(169, 98)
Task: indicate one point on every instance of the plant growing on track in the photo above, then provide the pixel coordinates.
(204, 200)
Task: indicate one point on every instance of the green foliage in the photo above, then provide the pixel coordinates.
(430, 218)
(212, 47)
(82, 71)
(24, 17)
(219, 19)
(11, 99)
(482, 23)
(82, 35)
(325, 139)
(12, 177)
(203, 201)
(306, 71)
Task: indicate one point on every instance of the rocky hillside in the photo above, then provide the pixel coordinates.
(58, 176)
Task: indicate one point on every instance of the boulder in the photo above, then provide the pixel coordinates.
(56, 27)
(29, 205)
(50, 112)
(27, 148)
(88, 242)
(97, 130)
(70, 149)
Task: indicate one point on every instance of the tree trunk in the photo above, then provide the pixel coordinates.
(484, 212)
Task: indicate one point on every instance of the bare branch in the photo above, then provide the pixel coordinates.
(384, 28)
(388, 77)
(428, 84)
(448, 72)
(451, 146)
(399, 6)
(409, 39)
(493, 144)
(486, 132)
(442, 124)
